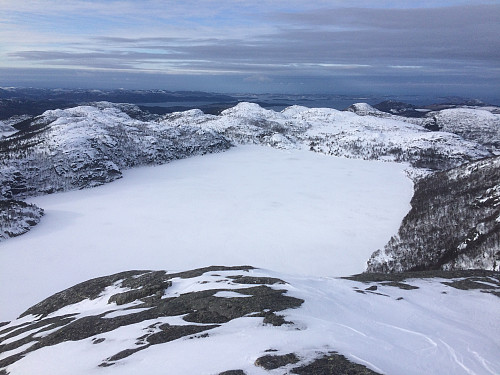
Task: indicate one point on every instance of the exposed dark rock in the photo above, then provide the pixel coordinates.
(333, 364)
(231, 372)
(123, 354)
(369, 277)
(209, 309)
(274, 319)
(147, 289)
(400, 285)
(256, 280)
(271, 362)
(167, 333)
(486, 284)
(89, 289)
(486, 281)
(170, 333)
(41, 326)
(271, 318)
(135, 294)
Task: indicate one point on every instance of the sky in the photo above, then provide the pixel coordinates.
(442, 47)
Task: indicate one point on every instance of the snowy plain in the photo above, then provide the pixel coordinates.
(295, 212)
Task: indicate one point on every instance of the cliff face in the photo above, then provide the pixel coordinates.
(17, 217)
(454, 223)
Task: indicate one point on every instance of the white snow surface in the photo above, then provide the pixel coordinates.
(435, 329)
(292, 211)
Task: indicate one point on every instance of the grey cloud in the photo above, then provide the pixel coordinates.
(449, 45)
(439, 36)
(396, 19)
(467, 31)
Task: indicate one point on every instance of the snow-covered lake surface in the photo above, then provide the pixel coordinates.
(295, 212)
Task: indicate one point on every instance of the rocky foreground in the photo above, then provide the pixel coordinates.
(241, 320)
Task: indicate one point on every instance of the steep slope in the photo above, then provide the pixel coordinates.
(454, 223)
(89, 145)
(17, 217)
(241, 320)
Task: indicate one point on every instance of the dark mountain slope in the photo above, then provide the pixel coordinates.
(454, 223)
(89, 145)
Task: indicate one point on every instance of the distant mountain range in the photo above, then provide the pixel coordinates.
(34, 101)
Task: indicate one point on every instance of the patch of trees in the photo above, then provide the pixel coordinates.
(17, 217)
(454, 223)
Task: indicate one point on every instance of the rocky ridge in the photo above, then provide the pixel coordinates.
(336, 133)
(87, 146)
(475, 124)
(264, 320)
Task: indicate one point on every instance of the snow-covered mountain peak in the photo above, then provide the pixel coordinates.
(250, 111)
(477, 124)
(472, 124)
(364, 109)
(185, 118)
(294, 110)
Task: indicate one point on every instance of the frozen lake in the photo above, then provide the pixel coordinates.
(295, 212)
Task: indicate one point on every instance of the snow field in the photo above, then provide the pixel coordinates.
(292, 211)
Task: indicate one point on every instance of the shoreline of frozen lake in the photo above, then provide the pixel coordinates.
(295, 212)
